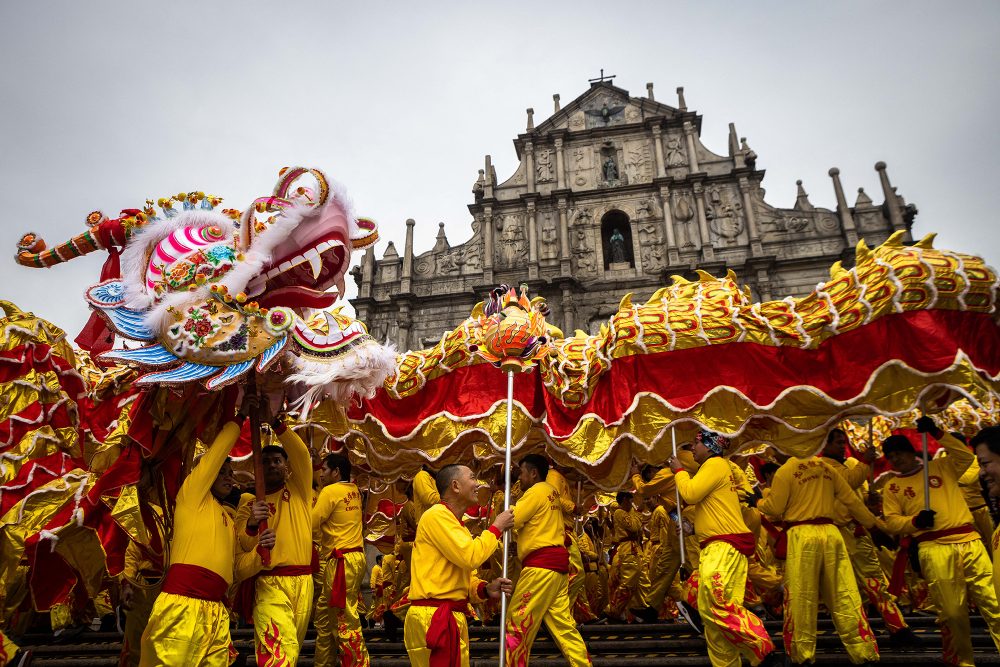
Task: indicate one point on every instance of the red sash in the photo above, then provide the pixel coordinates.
(742, 542)
(194, 581)
(548, 558)
(908, 542)
(442, 635)
(338, 592)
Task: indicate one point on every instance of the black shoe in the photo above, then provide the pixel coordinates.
(67, 635)
(905, 637)
(691, 615)
(773, 659)
(22, 658)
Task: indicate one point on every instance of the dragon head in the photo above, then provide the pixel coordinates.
(216, 293)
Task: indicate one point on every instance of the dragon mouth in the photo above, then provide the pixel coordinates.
(304, 277)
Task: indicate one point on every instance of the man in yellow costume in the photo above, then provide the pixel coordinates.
(283, 587)
(663, 555)
(189, 624)
(806, 493)
(861, 549)
(542, 592)
(986, 444)
(625, 577)
(445, 559)
(140, 584)
(337, 524)
(731, 631)
(577, 576)
(951, 556)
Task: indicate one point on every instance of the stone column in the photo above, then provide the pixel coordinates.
(895, 215)
(846, 221)
(668, 226)
(756, 249)
(567, 307)
(707, 251)
(529, 165)
(532, 240)
(488, 232)
(565, 263)
(367, 272)
(661, 169)
(560, 169)
(689, 135)
(403, 336)
(405, 284)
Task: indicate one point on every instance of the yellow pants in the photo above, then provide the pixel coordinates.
(418, 620)
(664, 561)
(984, 524)
(579, 604)
(818, 568)
(187, 632)
(338, 631)
(136, 619)
(7, 649)
(624, 579)
(731, 631)
(542, 596)
(280, 618)
(956, 573)
(871, 578)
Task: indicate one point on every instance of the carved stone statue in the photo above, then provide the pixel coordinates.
(617, 246)
(550, 240)
(610, 169)
(511, 241)
(676, 155)
(544, 166)
(684, 214)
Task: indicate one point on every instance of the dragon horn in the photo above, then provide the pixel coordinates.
(103, 233)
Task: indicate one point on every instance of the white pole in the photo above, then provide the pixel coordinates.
(506, 506)
(677, 494)
(927, 481)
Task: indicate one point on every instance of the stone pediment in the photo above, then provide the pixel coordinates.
(604, 105)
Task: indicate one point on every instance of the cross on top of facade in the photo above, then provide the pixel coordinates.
(602, 78)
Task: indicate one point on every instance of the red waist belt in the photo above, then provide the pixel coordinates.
(442, 634)
(742, 542)
(194, 581)
(909, 542)
(548, 558)
(338, 592)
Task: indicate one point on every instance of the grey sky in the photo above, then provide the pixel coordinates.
(108, 103)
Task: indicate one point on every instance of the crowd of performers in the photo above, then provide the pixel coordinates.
(814, 535)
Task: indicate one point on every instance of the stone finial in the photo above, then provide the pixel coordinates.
(649, 91)
(833, 172)
(748, 153)
(863, 199)
(441, 242)
(734, 144)
(390, 251)
(802, 202)
(531, 118)
(555, 101)
(410, 222)
(681, 104)
(891, 198)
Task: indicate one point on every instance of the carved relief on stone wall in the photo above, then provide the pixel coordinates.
(390, 273)
(684, 215)
(610, 166)
(448, 263)
(650, 241)
(472, 250)
(512, 248)
(605, 110)
(583, 244)
(580, 165)
(544, 168)
(827, 223)
(725, 213)
(632, 114)
(577, 121)
(674, 150)
(549, 247)
(638, 163)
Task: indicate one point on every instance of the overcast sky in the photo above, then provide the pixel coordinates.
(107, 103)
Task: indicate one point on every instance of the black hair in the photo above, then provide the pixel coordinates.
(829, 436)
(769, 468)
(378, 559)
(341, 463)
(622, 495)
(897, 443)
(444, 477)
(647, 472)
(274, 449)
(989, 436)
(539, 463)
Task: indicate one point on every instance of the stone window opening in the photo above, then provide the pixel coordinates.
(616, 240)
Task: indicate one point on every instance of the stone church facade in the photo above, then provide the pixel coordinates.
(614, 194)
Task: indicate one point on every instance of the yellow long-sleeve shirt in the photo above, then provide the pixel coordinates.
(538, 519)
(713, 490)
(446, 556)
(903, 495)
(204, 534)
(855, 473)
(290, 507)
(375, 579)
(627, 524)
(809, 489)
(425, 493)
(336, 518)
(659, 525)
(559, 483)
(972, 491)
(660, 485)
